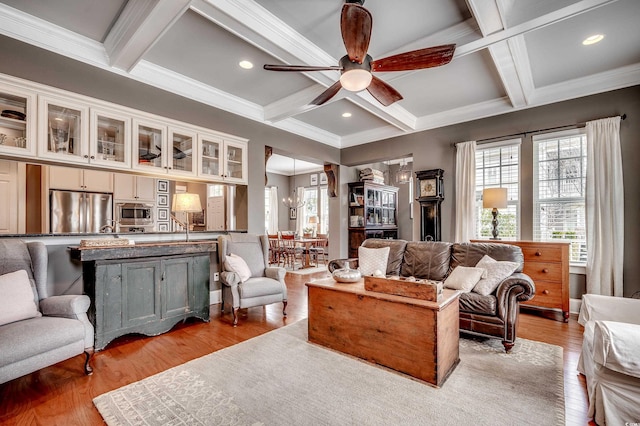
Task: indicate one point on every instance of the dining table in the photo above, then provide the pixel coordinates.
(306, 243)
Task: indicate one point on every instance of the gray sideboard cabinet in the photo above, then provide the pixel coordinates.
(145, 291)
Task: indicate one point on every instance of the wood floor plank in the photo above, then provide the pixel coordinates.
(62, 394)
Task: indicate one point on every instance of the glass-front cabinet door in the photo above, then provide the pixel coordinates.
(17, 122)
(149, 142)
(210, 149)
(182, 146)
(110, 138)
(64, 130)
(235, 158)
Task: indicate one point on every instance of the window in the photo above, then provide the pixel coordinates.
(559, 175)
(323, 227)
(310, 207)
(498, 166)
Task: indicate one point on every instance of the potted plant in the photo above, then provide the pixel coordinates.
(307, 232)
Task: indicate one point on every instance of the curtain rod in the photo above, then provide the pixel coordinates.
(566, 126)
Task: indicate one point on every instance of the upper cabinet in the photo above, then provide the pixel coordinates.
(63, 130)
(182, 149)
(235, 161)
(222, 159)
(75, 179)
(47, 123)
(110, 138)
(17, 121)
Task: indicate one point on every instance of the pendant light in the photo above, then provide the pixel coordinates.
(403, 175)
(294, 202)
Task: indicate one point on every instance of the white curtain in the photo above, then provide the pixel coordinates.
(465, 191)
(273, 211)
(300, 216)
(605, 208)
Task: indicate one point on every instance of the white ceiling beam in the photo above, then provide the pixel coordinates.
(491, 21)
(531, 25)
(139, 26)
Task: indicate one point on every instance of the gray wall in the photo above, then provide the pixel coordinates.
(434, 149)
(282, 182)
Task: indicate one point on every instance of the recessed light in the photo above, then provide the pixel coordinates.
(346, 114)
(246, 65)
(593, 39)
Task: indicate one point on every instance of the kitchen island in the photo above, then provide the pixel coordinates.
(145, 288)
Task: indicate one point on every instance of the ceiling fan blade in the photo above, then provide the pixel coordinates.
(416, 59)
(299, 68)
(384, 93)
(355, 24)
(327, 94)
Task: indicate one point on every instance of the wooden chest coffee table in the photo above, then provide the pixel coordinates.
(412, 336)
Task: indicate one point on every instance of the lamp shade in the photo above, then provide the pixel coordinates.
(186, 202)
(313, 219)
(494, 198)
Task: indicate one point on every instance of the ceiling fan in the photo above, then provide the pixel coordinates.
(357, 66)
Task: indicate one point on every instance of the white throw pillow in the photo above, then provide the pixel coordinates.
(17, 301)
(464, 278)
(497, 271)
(371, 260)
(235, 263)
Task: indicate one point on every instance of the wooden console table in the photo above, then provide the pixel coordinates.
(412, 336)
(145, 288)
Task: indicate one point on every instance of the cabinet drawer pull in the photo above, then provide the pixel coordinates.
(538, 253)
(545, 292)
(545, 270)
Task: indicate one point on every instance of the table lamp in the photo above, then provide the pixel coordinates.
(494, 198)
(313, 221)
(188, 203)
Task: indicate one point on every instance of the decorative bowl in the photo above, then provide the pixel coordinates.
(346, 275)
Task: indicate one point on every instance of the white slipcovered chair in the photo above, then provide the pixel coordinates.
(610, 358)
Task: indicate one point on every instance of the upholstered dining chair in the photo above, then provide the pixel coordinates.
(250, 281)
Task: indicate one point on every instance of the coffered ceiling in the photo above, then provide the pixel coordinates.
(510, 55)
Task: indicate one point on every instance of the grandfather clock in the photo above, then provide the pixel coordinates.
(430, 196)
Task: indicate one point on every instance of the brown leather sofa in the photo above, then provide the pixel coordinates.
(495, 315)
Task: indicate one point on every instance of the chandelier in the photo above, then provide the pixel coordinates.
(294, 202)
(403, 175)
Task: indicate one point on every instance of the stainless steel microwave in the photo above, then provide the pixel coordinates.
(134, 214)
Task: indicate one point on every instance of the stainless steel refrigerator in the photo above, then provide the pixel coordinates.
(78, 212)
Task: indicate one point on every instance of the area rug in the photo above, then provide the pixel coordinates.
(307, 271)
(280, 379)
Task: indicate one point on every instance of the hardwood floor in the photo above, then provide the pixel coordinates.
(62, 394)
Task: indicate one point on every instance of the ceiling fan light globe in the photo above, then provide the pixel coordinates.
(355, 80)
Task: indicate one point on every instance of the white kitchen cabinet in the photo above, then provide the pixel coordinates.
(17, 121)
(63, 130)
(110, 138)
(149, 142)
(222, 159)
(74, 179)
(134, 188)
(182, 146)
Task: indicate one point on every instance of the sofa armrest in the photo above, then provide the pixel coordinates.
(518, 287)
(74, 306)
(69, 306)
(616, 346)
(608, 308)
(229, 279)
(275, 272)
(340, 263)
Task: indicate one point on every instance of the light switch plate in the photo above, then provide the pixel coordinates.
(216, 276)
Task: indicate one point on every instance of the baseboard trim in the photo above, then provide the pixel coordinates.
(215, 297)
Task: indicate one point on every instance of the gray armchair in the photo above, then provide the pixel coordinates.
(63, 331)
(266, 284)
